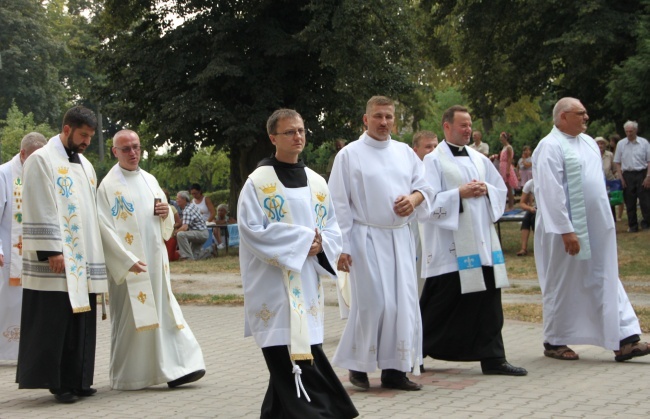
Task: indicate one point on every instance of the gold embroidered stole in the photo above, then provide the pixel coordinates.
(16, 266)
(143, 303)
(271, 196)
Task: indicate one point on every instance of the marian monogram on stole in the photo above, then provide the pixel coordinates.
(273, 203)
(122, 208)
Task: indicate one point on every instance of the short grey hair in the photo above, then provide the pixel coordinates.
(631, 124)
(32, 141)
(185, 195)
(222, 206)
(562, 105)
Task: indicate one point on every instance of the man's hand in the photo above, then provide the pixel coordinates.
(57, 264)
(405, 205)
(138, 267)
(345, 261)
(571, 243)
(646, 182)
(316, 244)
(473, 189)
(161, 209)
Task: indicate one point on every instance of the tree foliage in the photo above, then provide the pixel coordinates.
(15, 127)
(216, 77)
(31, 57)
(502, 50)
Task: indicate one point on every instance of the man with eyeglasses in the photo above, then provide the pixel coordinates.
(289, 244)
(575, 245)
(63, 264)
(151, 343)
(376, 185)
(632, 159)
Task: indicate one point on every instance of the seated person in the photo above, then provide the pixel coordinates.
(222, 219)
(528, 223)
(202, 202)
(193, 232)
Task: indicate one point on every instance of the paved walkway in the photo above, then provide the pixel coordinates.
(236, 380)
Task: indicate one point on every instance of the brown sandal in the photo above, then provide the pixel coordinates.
(563, 353)
(631, 350)
(522, 252)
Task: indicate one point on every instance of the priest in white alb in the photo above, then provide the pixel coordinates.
(462, 259)
(575, 245)
(151, 342)
(289, 245)
(376, 183)
(11, 244)
(63, 264)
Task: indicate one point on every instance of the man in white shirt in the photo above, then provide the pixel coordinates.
(632, 158)
(478, 145)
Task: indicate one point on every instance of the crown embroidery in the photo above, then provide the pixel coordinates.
(269, 189)
(63, 170)
(321, 196)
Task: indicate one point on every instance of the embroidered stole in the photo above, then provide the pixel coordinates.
(270, 194)
(68, 197)
(16, 266)
(467, 254)
(141, 294)
(578, 212)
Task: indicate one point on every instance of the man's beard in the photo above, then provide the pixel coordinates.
(75, 148)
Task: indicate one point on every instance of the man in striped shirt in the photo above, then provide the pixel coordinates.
(192, 233)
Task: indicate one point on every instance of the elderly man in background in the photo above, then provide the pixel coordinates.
(151, 342)
(11, 244)
(632, 158)
(584, 302)
(478, 145)
(193, 232)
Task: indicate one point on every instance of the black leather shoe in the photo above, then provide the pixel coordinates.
(66, 397)
(422, 370)
(505, 369)
(401, 384)
(85, 392)
(633, 230)
(359, 379)
(189, 378)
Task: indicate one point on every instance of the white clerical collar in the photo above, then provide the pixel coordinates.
(571, 137)
(367, 139)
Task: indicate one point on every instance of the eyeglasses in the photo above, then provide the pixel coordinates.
(135, 148)
(292, 132)
(579, 113)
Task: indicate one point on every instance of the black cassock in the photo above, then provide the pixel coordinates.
(462, 327)
(57, 347)
(328, 396)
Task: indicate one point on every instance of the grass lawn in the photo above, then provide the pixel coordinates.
(633, 256)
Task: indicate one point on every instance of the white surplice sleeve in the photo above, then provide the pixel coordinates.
(339, 185)
(548, 173)
(5, 204)
(331, 236)
(497, 190)
(279, 244)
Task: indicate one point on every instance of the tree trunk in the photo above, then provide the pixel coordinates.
(242, 163)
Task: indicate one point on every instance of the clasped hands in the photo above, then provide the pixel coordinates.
(473, 189)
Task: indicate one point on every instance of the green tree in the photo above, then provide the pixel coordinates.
(15, 127)
(627, 91)
(30, 58)
(216, 77)
(502, 50)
